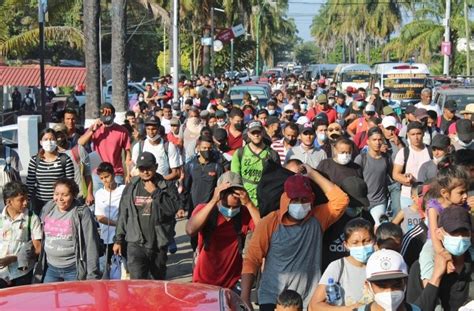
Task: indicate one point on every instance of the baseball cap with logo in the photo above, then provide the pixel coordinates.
(254, 125)
(146, 159)
(107, 113)
(385, 264)
(307, 127)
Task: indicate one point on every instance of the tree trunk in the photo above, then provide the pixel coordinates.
(206, 54)
(91, 33)
(118, 62)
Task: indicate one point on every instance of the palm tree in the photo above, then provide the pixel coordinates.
(424, 34)
(91, 51)
(118, 62)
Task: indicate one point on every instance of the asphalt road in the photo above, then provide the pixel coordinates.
(180, 263)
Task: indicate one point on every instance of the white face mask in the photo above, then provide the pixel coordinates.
(221, 123)
(343, 158)
(154, 138)
(48, 145)
(437, 160)
(390, 301)
(140, 98)
(299, 210)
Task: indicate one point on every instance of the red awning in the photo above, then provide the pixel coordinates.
(30, 76)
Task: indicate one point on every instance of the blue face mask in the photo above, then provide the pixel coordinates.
(228, 212)
(361, 253)
(456, 245)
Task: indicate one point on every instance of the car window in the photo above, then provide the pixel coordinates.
(462, 100)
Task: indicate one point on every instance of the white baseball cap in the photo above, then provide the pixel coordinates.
(385, 264)
(370, 108)
(288, 107)
(302, 120)
(389, 121)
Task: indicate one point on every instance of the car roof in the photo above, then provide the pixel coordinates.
(116, 295)
(456, 90)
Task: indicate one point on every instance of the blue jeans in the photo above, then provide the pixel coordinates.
(377, 211)
(54, 274)
(97, 184)
(394, 189)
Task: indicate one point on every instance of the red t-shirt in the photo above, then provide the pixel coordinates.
(109, 142)
(330, 113)
(221, 264)
(234, 143)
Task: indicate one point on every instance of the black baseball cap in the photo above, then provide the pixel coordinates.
(464, 130)
(455, 218)
(451, 105)
(152, 121)
(146, 160)
(272, 120)
(219, 134)
(440, 141)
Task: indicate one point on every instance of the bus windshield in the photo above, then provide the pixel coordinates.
(355, 76)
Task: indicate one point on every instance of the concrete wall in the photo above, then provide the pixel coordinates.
(28, 139)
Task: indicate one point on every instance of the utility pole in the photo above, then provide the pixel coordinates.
(232, 56)
(211, 52)
(257, 34)
(42, 9)
(468, 33)
(175, 51)
(447, 34)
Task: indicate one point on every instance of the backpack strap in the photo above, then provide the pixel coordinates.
(430, 151)
(406, 154)
(140, 147)
(209, 228)
(63, 158)
(237, 222)
(341, 269)
(30, 215)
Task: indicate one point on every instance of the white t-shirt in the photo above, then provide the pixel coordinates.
(102, 208)
(415, 160)
(166, 124)
(165, 163)
(432, 106)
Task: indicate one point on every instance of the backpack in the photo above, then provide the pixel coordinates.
(211, 224)
(166, 145)
(7, 173)
(406, 153)
(272, 154)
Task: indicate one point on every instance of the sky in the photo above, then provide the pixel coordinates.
(303, 11)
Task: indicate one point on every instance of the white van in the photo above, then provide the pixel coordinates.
(315, 71)
(404, 80)
(355, 75)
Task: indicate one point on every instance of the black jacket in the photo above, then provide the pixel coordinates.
(166, 202)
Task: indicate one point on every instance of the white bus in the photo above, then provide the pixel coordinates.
(315, 71)
(355, 75)
(404, 80)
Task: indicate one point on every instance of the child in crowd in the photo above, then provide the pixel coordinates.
(410, 216)
(349, 272)
(389, 236)
(289, 300)
(452, 185)
(107, 202)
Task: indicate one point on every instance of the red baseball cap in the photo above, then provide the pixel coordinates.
(298, 187)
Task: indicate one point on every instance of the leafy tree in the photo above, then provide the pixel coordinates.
(306, 53)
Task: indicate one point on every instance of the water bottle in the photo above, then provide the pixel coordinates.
(333, 293)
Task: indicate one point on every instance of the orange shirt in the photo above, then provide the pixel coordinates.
(326, 214)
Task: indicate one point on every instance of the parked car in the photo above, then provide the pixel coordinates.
(463, 95)
(9, 135)
(260, 90)
(120, 295)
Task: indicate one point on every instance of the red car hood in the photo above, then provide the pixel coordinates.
(114, 295)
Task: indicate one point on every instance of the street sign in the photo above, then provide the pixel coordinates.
(238, 30)
(225, 35)
(446, 48)
(206, 41)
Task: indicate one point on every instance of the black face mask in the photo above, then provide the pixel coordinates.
(239, 126)
(290, 117)
(291, 142)
(206, 155)
(310, 97)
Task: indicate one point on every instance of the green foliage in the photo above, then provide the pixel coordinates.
(163, 62)
(306, 53)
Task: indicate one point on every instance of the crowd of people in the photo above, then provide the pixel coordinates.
(317, 187)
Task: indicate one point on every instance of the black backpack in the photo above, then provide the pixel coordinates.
(406, 153)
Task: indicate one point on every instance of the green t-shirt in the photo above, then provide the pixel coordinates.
(250, 168)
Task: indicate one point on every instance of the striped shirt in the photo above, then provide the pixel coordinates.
(40, 180)
(279, 147)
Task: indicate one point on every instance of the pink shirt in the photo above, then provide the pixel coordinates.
(109, 142)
